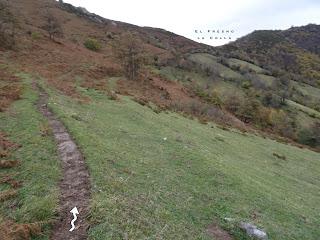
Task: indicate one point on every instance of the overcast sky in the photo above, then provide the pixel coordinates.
(185, 17)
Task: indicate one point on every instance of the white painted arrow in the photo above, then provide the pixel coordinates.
(74, 211)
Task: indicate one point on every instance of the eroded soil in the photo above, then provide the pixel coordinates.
(74, 185)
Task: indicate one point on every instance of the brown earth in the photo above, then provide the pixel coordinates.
(218, 233)
(75, 184)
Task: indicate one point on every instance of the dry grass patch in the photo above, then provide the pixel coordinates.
(8, 179)
(14, 231)
(5, 195)
(9, 163)
(10, 90)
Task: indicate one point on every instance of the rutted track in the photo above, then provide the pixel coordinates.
(75, 184)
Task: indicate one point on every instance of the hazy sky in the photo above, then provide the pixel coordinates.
(184, 17)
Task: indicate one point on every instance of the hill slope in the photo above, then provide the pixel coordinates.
(295, 50)
(160, 174)
(185, 145)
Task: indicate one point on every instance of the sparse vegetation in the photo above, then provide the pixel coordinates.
(35, 35)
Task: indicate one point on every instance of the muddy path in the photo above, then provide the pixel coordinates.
(74, 185)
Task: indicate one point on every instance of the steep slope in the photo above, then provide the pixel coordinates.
(294, 51)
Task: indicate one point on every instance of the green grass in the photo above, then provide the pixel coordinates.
(305, 116)
(268, 80)
(241, 63)
(224, 88)
(306, 90)
(175, 74)
(227, 89)
(145, 187)
(305, 109)
(210, 61)
(39, 170)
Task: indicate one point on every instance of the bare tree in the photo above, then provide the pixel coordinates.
(52, 26)
(284, 88)
(130, 52)
(8, 24)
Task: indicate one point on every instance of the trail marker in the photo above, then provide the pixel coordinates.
(74, 211)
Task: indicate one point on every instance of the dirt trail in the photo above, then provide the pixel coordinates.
(75, 185)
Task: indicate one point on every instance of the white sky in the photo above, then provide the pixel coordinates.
(184, 17)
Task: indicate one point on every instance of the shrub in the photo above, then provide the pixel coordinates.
(263, 117)
(246, 84)
(235, 67)
(310, 136)
(223, 61)
(271, 100)
(282, 123)
(248, 109)
(92, 44)
(206, 94)
(244, 69)
(232, 102)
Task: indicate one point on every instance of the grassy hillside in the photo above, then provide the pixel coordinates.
(159, 165)
(210, 62)
(34, 182)
(247, 90)
(241, 63)
(165, 176)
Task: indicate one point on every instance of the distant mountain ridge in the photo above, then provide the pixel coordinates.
(306, 37)
(295, 50)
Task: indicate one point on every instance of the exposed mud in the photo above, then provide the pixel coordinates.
(75, 184)
(218, 233)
